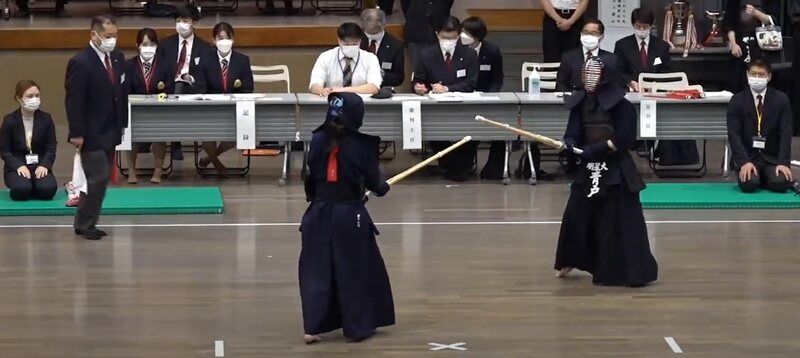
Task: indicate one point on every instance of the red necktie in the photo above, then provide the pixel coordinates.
(333, 165)
(110, 70)
(181, 60)
(643, 55)
(373, 47)
(448, 59)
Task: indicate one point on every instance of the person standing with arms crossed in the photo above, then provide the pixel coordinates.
(94, 103)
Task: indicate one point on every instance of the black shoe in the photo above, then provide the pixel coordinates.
(177, 154)
(100, 233)
(92, 235)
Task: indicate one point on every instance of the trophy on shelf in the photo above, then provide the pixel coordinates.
(679, 27)
(715, 37)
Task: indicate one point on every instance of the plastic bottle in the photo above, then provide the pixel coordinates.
(534, 82)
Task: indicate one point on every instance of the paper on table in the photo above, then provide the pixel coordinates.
(720, 94)
(216, 97)
(446, 97)
(406, 98)
(248, 95)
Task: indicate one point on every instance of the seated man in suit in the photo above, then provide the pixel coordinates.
(641, 52)
(390, 51)
(568, 78)
(449, 67)
(760, 133)
(346, 68)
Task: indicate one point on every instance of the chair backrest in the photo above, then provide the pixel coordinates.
(547, 72)
(271, 74)
(655, 82)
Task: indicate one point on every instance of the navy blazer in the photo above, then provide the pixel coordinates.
(430, 69)
(776, 127)
(391, 56)
(238, 71)
(630, 62)
(424, 18)
(162, 80)
(14, 146)
(96, 108)
(168, 50)
(569, 78)
(490, 70)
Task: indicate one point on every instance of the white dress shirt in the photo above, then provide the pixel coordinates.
(226, 57)
(187, 61)
(565, 4)
(329, 68)
(100, 54)
(755, 97)
(378, 41)
(595, 52)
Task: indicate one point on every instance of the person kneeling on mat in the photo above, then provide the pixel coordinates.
(760, 133)
(28, 147)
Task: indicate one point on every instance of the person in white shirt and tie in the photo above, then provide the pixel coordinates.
(346, 68)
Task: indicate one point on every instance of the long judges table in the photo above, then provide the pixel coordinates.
(292, 117)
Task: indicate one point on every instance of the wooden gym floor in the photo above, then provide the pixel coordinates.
(469, 263)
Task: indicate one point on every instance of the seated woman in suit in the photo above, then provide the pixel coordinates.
(148, 75)
(232, 74)
(28, 147)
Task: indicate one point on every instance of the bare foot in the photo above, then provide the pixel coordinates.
(311, 339)
(564, 272)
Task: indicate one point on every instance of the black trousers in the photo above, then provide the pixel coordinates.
(23, 189)
(795, 99)
(556, 42)
(386, 5)
(738, 81)
(97, 167)
(766, 179)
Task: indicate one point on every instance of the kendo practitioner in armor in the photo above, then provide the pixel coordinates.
(343, 279)
(603, 230)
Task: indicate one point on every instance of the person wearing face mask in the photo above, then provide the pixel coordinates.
(28, 147)
(97, 114)
(568, 78)
(183, 52)
(740, 22)
(603, 230)
(226, 71)
(449, 67)
(641, 52)
(760, 133)
(346, 68)
(388, 49)
(148, 75)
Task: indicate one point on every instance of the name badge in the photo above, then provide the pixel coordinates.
(759, 142)
(657, 61)
(486, 67)
(461, 73)
(386, 65)
(197, 61)
(122, 78)
(31, 159)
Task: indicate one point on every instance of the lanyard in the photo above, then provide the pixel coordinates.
(759, 115)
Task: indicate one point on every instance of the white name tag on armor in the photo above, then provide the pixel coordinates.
(657, 61)
(412, 125)
(31, 159)
(461, 73)
(125, 143)
(386, 65)
(647, 118)
(245, 125)
(486, 67)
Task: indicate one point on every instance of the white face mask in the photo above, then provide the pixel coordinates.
(183, 28)
(642, 34)
(108, 45)
(350, 51)
(757, 84)
(375, 37)
(448, 45)
(590, 42)
(466, 39)
(224, 46)
(147, 52)
(31, 104)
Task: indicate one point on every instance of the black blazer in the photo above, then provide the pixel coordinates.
(776, 127)
(162, 79)
(13, 146)
(238, 71)
(630, 63)
(431, 69)
(424, 18)
(96, 108)
(490, 70)
(569, 78)
(391, 56)
(168, 50)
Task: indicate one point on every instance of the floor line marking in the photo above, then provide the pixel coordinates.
(410, 223)
(455, 346)
(673, 345)
(219, 349)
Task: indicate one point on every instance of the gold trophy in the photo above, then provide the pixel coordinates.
(680, 13)
(715, 37)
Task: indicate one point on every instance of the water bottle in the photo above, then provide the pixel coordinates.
(534, 82)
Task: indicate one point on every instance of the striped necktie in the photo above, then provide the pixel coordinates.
(347, 73)
(224, 63)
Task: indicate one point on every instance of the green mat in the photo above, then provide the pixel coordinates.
(713, 196)
(126, 201)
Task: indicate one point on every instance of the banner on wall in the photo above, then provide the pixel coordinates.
(616, 16)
